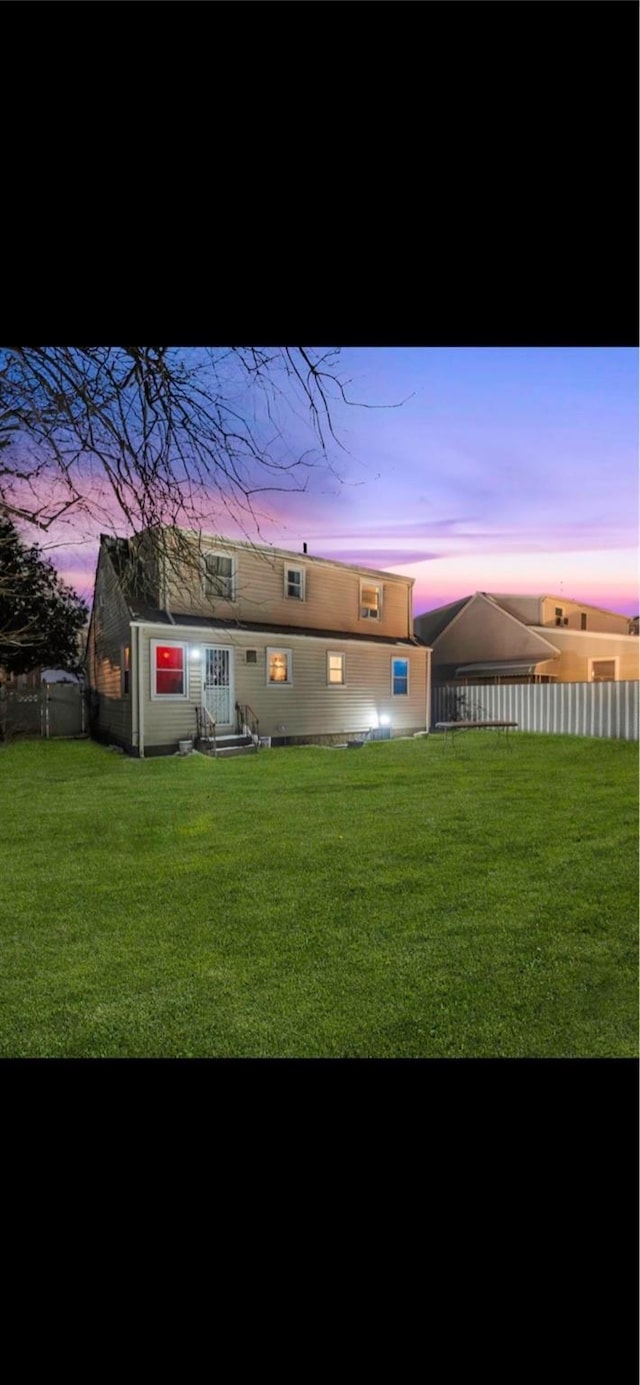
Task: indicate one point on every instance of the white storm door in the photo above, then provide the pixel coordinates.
(217, 683)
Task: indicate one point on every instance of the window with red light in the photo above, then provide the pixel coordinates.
(168, 664)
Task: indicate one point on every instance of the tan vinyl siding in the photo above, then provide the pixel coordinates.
(524, 608)
(309, 707)
(578, 648)
(313, 707)
(108, 634)
(165, 722)
(331, 592)
(606, 622)
(483, 631)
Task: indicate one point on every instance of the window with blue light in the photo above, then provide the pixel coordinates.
(400, 677)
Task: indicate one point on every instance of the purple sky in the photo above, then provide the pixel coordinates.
(505, 469)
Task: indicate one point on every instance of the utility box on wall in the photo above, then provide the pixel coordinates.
(381, 733)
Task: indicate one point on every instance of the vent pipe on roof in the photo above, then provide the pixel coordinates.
(304, 548)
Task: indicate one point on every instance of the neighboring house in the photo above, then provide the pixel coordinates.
(43, 702)
(31, 681)
(315, 649)
(59, 675)
(495, 638)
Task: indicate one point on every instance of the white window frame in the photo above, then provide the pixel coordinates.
(293, 567)
(373, 586)
(336, 654)
(404, 658)
(288, 653)
(169, 644)
(613, 659)
(230, 557)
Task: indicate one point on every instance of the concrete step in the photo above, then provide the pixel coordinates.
(224, 751)
(234, 745)
(230, 744)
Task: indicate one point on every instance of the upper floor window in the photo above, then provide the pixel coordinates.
(294, 582)
(583, 620)
(219, 576)
(168, 669)
(370, 601)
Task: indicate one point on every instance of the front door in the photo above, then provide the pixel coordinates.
(217, 684)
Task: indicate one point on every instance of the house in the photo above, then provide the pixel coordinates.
(33, 680)
(305, 648)
(495, 638)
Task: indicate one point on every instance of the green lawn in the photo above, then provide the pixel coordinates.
(397, 901)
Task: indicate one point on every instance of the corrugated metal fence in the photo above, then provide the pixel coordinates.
(568, 709)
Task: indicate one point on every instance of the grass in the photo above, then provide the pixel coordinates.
(397, 901)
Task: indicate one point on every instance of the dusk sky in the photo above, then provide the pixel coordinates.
(504, 469)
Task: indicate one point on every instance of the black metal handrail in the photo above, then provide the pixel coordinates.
(206, 726)
(247, 723)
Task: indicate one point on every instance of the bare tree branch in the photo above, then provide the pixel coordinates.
(155, 439)
(168, 433)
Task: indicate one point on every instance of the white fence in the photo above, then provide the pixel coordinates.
(568, 709)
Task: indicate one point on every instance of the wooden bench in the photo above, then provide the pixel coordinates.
(450, 727)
